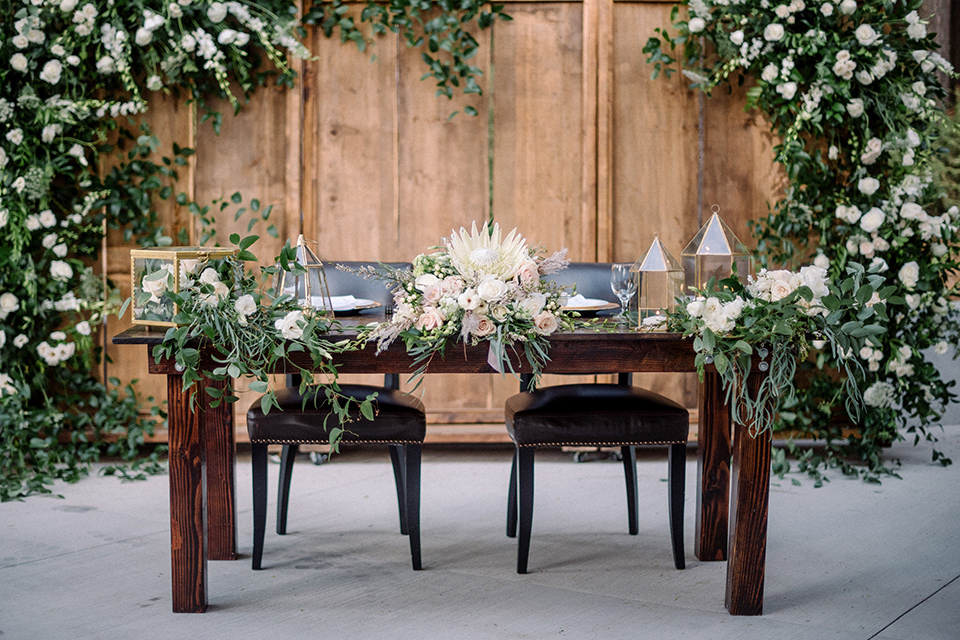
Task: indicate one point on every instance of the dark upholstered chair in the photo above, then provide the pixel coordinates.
(600, 415)
(400, 422)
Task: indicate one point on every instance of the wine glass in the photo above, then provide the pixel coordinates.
(624, 286)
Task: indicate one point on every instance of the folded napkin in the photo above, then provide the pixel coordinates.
(340, 303)
(579, 301)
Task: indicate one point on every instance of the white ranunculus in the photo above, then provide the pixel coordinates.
(868, 186)
(737, 37)
(847, 7)
(60, 270)
(782, 11)
(19, 62)
(909, 274)
(217, 12)
(20, 41)
(154, 83)
(245, 305)
(938, 249)
(491, 289)
(289, 326)
(51, 71)
(787, 90)
(773, 33)
(770, 73)
(866, 35)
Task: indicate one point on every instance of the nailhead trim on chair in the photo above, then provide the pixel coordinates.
(600, 444)
(345, 442)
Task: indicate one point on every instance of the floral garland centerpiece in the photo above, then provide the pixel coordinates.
(479, 287)
(779, 316)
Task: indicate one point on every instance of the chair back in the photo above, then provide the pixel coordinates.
(592, 280)
(344, 283)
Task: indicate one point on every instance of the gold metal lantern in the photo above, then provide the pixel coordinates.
(659, 279)
(161, 269)
(308, 285)
(715, 252)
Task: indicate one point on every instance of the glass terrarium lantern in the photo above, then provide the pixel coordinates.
(715, 252)
(659, 279)
(158, 270)
(307, 285)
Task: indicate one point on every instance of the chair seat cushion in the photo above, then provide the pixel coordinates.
(595, 415)
(399, 418)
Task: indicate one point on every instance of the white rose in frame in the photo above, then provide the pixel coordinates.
(872, 220)
(773, 33)
(868, 186)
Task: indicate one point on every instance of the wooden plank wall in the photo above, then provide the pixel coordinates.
(574, 144)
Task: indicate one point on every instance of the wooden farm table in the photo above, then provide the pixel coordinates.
(733, 481)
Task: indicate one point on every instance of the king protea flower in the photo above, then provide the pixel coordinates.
(482, 253)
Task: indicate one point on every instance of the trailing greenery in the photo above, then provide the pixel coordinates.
(851, 91)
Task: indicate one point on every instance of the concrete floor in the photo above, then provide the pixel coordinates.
(847, 561)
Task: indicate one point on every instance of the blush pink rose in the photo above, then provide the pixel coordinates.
(431, 318)
(545, 323)
(528, 272)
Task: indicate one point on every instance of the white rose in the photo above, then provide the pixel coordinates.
(431, 318)
(866, 35)
(545, 323)
(289, 326)
(209, 276)
(227, 36)
(909, 274)
(737, 37)
(73, 60)
(696, 25)
(833, 152)
(106, 65)
(68, 5)
(826, 9)
(426, 281)
(864, 77)
(866, 248)
(770, 73)
(868, 186)
(917, 31)
(872, 151)
(143, 37)
(83, 328)
(245, 305)
(822, 261)
(872, 220)
(8, 304)
(15, 135)
(19, 62)
(855, 108)
(773, 33)
(878, 265)
(912, 300)
(217, 12)
(787, 90)
(847, 7)
(912, 138)
(51, 71)
(60, 270)
(941, 348)
(221, 290)
(20, 340)
(491, 289)
(533, 304)
(912, 211)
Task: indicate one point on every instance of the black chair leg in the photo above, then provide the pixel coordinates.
(676, 477)
(398, 458)
(259, 466)
(512, 499)
(412, 492)
(629, 453)
(287, 458)
(525, 489)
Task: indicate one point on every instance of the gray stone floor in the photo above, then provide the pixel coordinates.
(847, 561)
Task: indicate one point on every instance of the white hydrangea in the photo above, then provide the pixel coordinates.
(879, 395)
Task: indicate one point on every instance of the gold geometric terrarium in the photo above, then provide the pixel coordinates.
(659, 280)
(715, 252)
(161, 269)
(308, 285)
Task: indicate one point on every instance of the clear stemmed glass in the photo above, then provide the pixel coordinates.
(624, 286)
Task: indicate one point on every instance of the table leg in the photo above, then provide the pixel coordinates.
(221, 476)
(188, 530)
(749, 507)
(713, 471)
